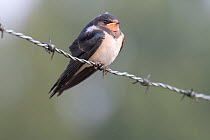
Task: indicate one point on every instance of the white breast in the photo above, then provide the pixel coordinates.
(108, 50)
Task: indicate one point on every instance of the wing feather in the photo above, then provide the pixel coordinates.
(83, 47)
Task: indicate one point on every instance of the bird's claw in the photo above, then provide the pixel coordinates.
(106, 69)
(100, 66)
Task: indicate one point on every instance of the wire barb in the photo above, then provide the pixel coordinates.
(143, 81)
(1, 30)
(182, 98)
(50, 49)
(146, 83)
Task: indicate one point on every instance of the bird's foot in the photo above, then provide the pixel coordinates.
(100, 66)
(106, 69)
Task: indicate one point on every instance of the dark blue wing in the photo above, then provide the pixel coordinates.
(83, 47)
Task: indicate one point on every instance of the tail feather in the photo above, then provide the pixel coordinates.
(73, 81)
(53, 87)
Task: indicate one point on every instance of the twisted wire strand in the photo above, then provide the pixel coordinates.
(143, 81)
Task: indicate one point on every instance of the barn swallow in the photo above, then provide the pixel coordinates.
(100, 41)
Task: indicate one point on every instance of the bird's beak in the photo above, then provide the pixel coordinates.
(116, 22)
(113, 26)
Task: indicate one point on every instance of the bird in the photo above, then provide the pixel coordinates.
(100, 41)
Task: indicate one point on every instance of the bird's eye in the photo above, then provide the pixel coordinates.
(105, 21)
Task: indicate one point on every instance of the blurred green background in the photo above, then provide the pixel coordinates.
(168, 39)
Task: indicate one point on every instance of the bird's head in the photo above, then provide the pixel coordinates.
(107, 21)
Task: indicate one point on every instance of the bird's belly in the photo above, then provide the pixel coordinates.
(108, 50)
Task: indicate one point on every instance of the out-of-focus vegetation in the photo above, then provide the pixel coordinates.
(168, 39)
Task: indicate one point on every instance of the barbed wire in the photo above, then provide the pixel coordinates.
(51, 48)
